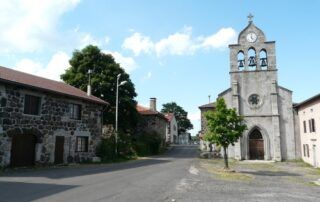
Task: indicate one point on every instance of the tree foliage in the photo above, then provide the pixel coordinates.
(225, 127)
(103, 82)
(184, 124)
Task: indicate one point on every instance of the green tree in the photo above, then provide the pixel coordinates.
(225, 127)
(181, 115)
(103, 82)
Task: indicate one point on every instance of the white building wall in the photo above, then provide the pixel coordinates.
(312, 139)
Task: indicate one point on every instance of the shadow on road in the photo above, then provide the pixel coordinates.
(270, 173)
(65, 172)
(27, 192)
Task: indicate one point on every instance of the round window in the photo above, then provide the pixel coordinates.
(254, 99)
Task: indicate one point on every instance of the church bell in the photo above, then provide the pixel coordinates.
(252, 61)
(240, 63)
(263, 62)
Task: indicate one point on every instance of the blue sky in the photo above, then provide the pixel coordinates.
(173, 50)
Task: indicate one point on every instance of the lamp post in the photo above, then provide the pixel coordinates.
(117, 103)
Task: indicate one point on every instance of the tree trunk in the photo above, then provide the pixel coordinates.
(225, 155)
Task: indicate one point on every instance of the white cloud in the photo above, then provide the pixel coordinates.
(85, 39)
(194, 116)
(138, 44)
(106, 40)
(127, 63)
(221, 39)
(28, 25)
(56, 66)
(147, 76)
(179, 43)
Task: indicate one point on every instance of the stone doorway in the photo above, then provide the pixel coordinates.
(58, 152)
(256, 145)
(23, 150)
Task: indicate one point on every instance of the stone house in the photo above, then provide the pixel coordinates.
(152, 120)
(309, 122)
(45, 121)
(254, 92)
(172, 130)
(204, 146)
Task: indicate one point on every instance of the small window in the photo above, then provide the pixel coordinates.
(304, 126)
(307, 148)
(31, 104)
(82, 144)
(75, 111)
(313, 126)
(304, 150)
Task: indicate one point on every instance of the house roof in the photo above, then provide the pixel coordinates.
(169, 116)
(210, 105)
(146, 111)
(11, 76)
(307, 101)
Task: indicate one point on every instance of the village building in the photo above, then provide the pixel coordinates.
(204, 145)
(254, 92)
(45, 121)
(309, 122)
(172, 130)
(152, 121)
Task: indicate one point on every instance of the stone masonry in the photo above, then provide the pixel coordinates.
(53, 120)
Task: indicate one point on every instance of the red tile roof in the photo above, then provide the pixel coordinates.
(146, 111)
(20, 78)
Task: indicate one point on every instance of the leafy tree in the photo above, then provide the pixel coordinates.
(103, 82)
(225, 127)
(181, 115)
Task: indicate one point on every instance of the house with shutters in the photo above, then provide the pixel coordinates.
(45, 122)
(309, 126)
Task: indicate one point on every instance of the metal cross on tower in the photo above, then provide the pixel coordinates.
(250, 17)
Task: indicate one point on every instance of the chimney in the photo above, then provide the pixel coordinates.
(153, 104)
(89, 83)
(89, 90)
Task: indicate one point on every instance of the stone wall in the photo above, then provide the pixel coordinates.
(152, 123)
(53, 120)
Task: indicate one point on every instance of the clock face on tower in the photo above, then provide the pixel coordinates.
(251, 37)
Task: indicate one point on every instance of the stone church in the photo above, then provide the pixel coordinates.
(255, 94)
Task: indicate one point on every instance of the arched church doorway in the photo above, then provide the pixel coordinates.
(256, 145)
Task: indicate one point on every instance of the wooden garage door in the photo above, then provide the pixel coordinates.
(23, 150)
(58, 153)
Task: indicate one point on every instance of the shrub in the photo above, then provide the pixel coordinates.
(147, 143)
(106, 149)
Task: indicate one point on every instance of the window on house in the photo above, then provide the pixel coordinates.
(75, 111)
(304, 126)
(82, 144)
(307, 148)
(304, 150)
(313, 126)
(31, 104)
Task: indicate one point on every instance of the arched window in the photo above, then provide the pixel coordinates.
(252, 64)
(240, 61)
(263, 59)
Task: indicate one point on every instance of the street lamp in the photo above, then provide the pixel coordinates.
(117, 102)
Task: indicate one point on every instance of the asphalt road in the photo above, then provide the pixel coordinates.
(177, 175)
(159, 178)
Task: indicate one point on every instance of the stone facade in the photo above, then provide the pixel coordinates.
(53, 120)
(205, 146)
(172, 130)
(152, 121)
(256, 95)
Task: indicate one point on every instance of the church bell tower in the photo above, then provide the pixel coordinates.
(254, 90)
